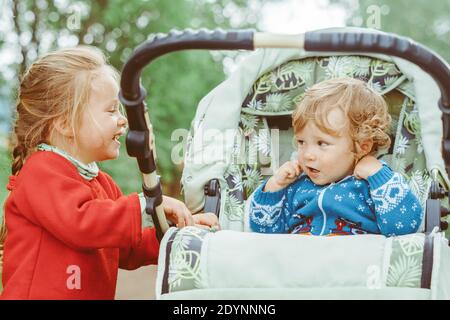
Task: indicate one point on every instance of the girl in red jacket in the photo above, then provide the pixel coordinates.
(69, 226)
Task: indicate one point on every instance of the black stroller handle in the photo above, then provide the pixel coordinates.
(132, 94)
(176, 41)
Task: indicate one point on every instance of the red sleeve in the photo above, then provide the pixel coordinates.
(146, 252)
(50, 193)
(143, 254)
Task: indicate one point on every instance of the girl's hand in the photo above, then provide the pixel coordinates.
(206, 221)
(177, 212)
(284, 176)
(366, 167)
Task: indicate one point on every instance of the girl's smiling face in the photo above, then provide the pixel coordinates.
(326, 158)
(102, 122)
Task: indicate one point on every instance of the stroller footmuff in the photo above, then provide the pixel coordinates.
(196, 264)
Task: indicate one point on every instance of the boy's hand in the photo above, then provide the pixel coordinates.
(284, 176)
(366, 167)
(206, 220)
(177, 212)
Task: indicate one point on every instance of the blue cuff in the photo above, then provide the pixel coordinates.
(263, 197)
(380, 177)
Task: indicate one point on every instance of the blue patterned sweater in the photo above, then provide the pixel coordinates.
(382, 204)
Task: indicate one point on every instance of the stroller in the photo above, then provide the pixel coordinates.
(242, 132)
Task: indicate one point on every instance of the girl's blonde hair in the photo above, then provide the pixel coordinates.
(55, 87)
(365, 109)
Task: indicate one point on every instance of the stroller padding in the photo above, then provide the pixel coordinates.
(228, 261)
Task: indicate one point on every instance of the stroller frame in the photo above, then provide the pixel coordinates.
(132, 95)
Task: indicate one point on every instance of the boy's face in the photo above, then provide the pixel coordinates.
(323, 157)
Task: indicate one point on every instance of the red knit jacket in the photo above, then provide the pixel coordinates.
(67, 236)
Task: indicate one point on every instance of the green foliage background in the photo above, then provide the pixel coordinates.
(177, 82)
(426, 22)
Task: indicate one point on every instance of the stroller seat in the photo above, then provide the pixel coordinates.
(256, 143)
(242, 133)
(262, 141)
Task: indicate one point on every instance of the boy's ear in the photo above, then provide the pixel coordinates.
(364, 147)
(62, 127)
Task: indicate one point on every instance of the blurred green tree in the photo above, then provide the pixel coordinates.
(425, 22)
(175, 83)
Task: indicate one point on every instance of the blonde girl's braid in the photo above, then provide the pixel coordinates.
(20, 150)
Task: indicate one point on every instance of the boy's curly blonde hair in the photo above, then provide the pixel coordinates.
(365, 109)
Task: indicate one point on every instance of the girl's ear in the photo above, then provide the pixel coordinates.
(364, 147)
(62, 127)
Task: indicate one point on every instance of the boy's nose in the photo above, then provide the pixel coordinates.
(309, 156)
